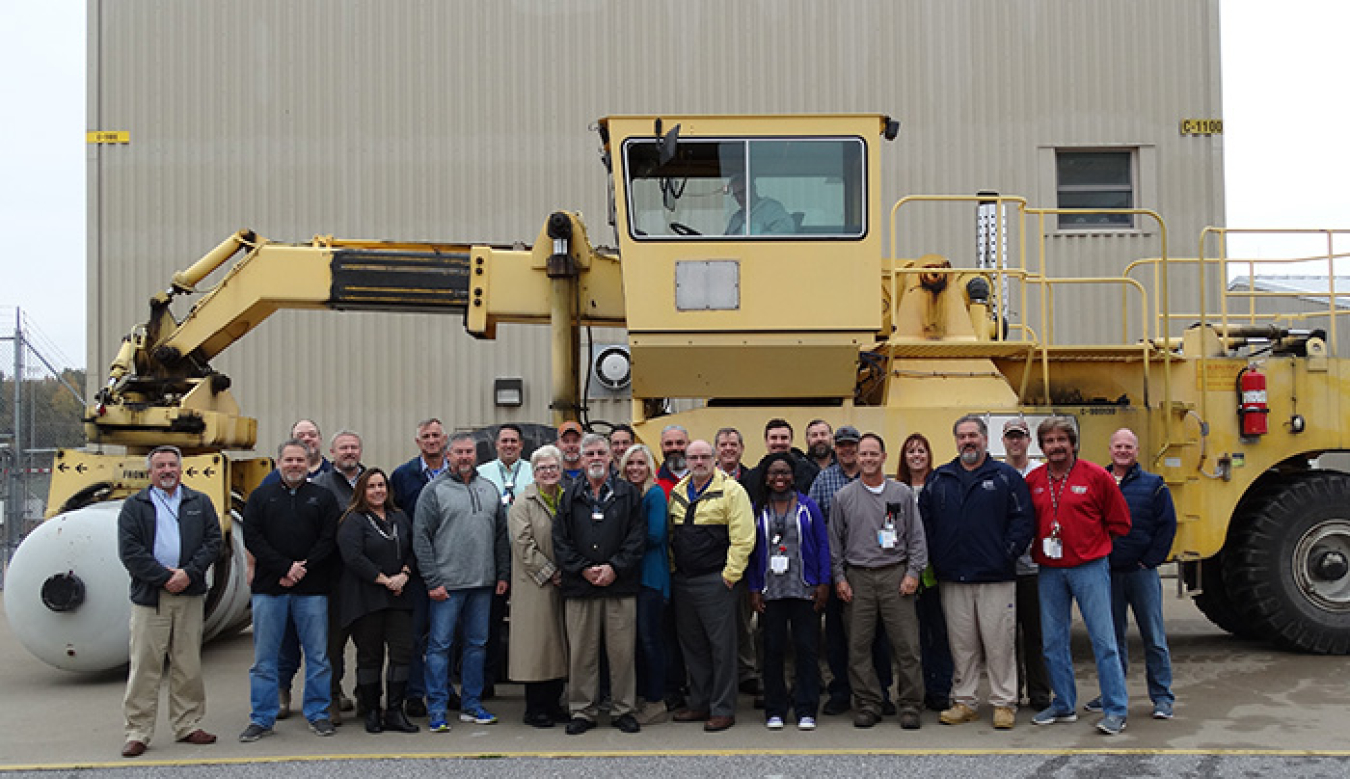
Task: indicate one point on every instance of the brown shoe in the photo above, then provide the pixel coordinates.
(690, 715)
(714, 724)
(199, 736)
(1005, 717)
(958, 714)
(133, 748)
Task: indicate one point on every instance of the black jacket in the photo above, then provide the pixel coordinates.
(282, 526)
(199, 528)
(619, 539)
(367, 553)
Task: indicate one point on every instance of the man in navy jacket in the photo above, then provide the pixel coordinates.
(978, 518)
(1135, 558)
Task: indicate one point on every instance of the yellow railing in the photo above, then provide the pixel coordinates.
(1021, 279)
(1253, 295)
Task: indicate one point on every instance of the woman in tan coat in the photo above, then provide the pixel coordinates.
(538, 637)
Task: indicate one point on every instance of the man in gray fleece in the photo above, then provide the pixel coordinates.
(878, 552)
(460, 539)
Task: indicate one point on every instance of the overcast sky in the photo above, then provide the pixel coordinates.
(1285, 112)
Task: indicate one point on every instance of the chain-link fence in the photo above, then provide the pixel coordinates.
(40, 411)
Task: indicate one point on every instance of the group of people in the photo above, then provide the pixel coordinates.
(927, 580)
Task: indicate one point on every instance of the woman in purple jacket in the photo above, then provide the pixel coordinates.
(789, 580)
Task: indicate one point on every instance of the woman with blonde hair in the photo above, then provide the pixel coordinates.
(638, 467)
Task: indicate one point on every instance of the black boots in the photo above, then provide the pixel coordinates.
(394, 718)
(369, 697)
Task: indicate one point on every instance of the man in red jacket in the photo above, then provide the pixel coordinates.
(1079, 509)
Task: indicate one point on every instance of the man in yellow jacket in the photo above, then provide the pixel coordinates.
(712, 535)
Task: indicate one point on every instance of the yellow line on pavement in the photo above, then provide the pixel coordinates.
(559, 754)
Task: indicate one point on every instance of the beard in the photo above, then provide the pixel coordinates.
(597, 471)
(970, 456)
(819, 451)
(675, 461)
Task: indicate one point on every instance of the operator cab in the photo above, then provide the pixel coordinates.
(759, 236)
(745, 188)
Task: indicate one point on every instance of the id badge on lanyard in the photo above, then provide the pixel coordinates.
(887, 536)
(778, 562)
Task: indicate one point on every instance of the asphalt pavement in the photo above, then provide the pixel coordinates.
(1243, 709)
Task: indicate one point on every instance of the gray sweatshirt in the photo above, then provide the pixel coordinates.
(856, 516)
(459, 534)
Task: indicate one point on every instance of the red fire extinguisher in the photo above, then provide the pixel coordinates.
(1252, 407)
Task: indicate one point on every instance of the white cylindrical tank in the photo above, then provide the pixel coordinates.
(67, 593)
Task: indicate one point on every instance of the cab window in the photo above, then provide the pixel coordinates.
(746, 189)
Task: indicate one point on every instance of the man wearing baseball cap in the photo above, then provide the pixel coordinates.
(1032, 676)
(569, 443)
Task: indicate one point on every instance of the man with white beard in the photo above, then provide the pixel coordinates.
(599, 536)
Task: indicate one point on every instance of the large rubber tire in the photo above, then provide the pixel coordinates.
(1217, 604)
(1287, 562)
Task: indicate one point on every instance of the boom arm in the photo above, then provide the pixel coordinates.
(161, 388)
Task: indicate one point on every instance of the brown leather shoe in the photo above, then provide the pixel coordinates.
(690, 715)
(715, 724)
(133, 748)
(199, 736)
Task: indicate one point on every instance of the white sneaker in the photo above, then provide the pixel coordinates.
(806, 723)
(774, 723)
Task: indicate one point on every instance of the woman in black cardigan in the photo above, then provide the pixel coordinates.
(375, 539)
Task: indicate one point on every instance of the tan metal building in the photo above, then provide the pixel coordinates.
(471, 121)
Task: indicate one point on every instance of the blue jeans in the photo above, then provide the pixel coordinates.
(1141, 591)
(271, 615)
(934, 649)
(288, 661)
(1090, 585)
(473, 606)
(651, 645)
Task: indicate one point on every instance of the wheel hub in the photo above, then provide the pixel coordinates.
(1322, 564)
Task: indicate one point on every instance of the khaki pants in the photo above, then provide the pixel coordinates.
(592, 622)
(172, 630)
(982, 631)
(877, 599)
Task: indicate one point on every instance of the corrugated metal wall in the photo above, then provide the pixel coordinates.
(469, 121)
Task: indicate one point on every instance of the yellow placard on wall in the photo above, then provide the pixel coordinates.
(1219, 376)
(108, 136)
(1202, 127)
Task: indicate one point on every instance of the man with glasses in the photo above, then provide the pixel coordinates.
(712, 535)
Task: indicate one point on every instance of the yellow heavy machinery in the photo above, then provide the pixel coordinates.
(793, 307)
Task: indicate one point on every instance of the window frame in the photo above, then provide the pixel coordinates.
(863, 188)
(1132, 226)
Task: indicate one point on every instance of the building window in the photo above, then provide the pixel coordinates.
(1095, 178)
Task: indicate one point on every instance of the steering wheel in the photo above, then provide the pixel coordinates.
(683, 229)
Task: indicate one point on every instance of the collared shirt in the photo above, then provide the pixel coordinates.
(830, 481)
(168, 538)
(511, 480)
(430, 473)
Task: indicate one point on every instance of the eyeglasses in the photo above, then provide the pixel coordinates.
(1014, 434)
(546, 468)
(698, 457)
